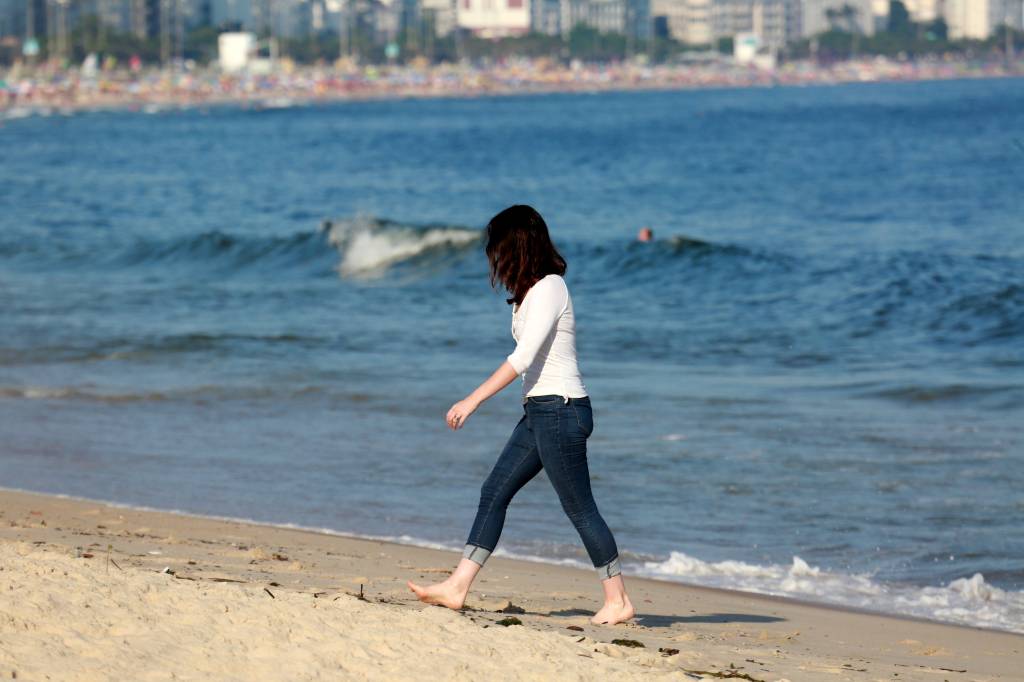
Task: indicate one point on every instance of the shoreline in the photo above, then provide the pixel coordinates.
(163, 98)
(717, 632)
(325, 532)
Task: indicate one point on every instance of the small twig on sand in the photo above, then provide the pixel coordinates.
(927, 667)
(270, 593)
(731, 674)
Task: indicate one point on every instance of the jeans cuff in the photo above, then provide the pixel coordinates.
(476, 554)
(610, 569)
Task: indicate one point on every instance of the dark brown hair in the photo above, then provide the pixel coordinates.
(519, 251)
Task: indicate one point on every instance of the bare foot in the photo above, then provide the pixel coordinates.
(614, 612)
(444, 594)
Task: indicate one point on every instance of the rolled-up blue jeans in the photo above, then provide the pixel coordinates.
(552, 435)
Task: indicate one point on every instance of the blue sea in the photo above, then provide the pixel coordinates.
(810, 384)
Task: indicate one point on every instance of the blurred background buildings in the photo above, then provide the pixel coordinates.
(32, 27)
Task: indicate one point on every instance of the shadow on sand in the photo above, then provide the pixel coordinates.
(654, 621)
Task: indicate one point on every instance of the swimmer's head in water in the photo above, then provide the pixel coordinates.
(519, 251)
(645, 234)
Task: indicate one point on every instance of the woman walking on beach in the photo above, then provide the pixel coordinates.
(557, 418)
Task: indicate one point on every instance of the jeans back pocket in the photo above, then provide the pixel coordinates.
(584, 417)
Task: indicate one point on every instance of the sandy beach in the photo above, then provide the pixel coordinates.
(25, 92)
(90, 591)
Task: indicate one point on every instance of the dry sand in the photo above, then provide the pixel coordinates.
(84, 596)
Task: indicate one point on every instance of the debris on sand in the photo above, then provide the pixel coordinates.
(509, 607)
(630, 643)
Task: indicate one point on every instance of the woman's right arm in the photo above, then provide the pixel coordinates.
(548, 299)
(460, 411)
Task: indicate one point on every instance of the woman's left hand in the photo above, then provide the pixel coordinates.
(459, 413)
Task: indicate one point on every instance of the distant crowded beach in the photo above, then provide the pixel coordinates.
(42, 91)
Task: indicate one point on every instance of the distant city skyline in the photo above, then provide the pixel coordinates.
(774, 23)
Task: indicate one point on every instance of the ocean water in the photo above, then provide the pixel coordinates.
(810, 384)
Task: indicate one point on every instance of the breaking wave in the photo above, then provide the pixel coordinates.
(961, 300)
(351, 246)
(198, 394)
(369, 245)
(967, 601)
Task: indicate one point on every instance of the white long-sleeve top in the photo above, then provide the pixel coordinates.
(544, 328)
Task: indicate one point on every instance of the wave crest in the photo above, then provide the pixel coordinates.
(369, 246)
(198, 394)
(364, 244)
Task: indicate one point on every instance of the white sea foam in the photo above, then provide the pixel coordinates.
(367, 247)
(968, 601)
(71, 392)
(35, 392)
(76, 393)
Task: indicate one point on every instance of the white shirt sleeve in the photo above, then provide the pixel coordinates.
(544, 304)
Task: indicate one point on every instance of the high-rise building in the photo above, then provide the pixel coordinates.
(923, 11)
(687, 21)
(440, 15)
(701, 22)
(729, 17)
(233, 13)
(769, 23)
(558, 17)
(545, 17)
(978, 19)
(1014, 14)
(818, 16)
(967, 18)
(494, 18)
(674, 15)
(15, 15)
(774, 22)
(628, 17)
(793, 10)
